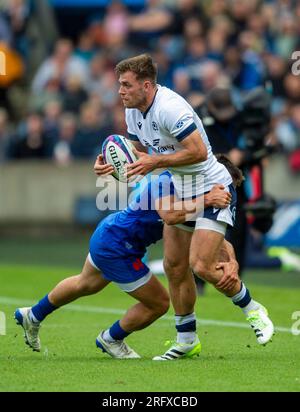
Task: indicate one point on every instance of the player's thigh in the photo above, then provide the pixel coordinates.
(205, 247)
(91, 276)
(176, 246)
(152, 294)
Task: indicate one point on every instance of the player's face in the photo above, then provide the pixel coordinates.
(132, 91)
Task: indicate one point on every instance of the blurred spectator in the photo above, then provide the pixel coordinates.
(276, 70)
(216, 42)
(94, 127)
(217, 8)
(244, 69)
(188, 13)
(211, 76)
(59, 67)
(32, 142)
(85, 49)
(165, 72)
(292, 87)
(74, 95)
(181, 82)
(239, 11)
(192, 27)
(287, 36)
(103, 82)
(148, 25)
(62, 150)
(52, 113)
(6, 34)
(116, 24)
(38, 101)
(18, 15)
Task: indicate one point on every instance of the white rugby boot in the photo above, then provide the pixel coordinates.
(180, 350)
(117, 349)
(262, 325)
(31, 330)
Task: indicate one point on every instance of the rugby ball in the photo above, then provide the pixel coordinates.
(118, 151)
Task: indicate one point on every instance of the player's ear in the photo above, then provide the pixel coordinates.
(147, 85)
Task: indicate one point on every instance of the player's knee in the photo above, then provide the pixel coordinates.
(174, 270)
(88, 286)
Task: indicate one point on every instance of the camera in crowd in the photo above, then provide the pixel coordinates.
(250, 118)
(251, 121)
(254, 124)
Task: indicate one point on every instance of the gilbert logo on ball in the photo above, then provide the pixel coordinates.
(118, 151)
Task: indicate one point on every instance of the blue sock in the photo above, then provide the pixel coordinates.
(242, 298)
(42, 309)
(116, 332)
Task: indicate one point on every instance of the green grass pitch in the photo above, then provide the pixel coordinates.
(230, 360)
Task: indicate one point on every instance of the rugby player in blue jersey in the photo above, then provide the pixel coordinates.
(116, 251)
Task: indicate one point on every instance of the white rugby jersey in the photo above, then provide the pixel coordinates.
(165, 124)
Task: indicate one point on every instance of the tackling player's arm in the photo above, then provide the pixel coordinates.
(193, 151)
(230, 267)
(174, 211)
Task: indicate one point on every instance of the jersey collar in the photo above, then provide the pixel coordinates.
(144, 114)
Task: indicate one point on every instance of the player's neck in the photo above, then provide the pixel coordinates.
(149, 101)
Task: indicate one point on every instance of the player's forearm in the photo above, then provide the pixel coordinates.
(182, 158)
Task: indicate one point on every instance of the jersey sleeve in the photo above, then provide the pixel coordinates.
(178, 119)
(130, 127)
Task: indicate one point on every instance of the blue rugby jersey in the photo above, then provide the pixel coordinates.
(132, 230)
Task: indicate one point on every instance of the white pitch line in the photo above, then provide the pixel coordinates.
(113, 311)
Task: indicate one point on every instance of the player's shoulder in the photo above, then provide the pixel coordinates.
(169, 101)
(164, 94)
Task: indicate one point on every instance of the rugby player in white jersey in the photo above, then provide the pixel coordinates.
(160, 119)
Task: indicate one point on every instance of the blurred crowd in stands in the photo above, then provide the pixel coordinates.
(71, 102)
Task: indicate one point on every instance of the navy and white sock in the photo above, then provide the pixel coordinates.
(115, 332)
(186, 328)
(42, 309)
(244, 300)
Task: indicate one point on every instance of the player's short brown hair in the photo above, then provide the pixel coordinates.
(142, 66)
(235, 172)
